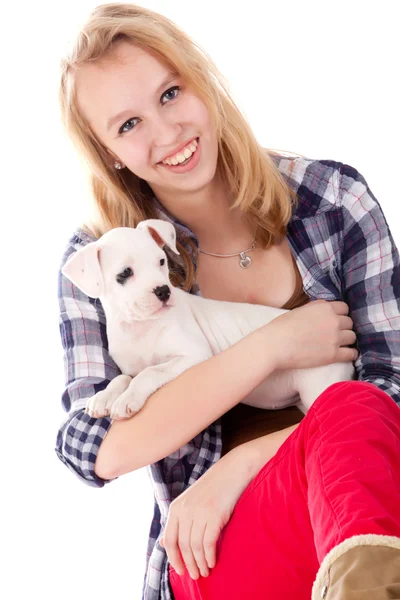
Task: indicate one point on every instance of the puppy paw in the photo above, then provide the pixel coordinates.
(101, 403)
(126, 406)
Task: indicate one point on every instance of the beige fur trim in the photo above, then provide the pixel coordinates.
(370, 539)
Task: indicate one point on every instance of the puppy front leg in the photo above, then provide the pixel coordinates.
(310, 383)
(99, 404)
(146, 383)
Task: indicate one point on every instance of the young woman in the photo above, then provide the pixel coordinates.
(240, 512)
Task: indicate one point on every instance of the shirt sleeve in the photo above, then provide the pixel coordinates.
(88, 369)
(371, 279)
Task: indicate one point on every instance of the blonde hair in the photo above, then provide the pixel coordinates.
(121, 198)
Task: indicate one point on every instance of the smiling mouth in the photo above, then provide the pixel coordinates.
(188, 159)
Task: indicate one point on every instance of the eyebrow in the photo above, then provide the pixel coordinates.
(170, 77)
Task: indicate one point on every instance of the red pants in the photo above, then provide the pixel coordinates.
(336, 476)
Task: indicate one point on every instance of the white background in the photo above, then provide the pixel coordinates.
(317, 78)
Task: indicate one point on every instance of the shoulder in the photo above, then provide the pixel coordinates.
(78, 239)
(319, 184)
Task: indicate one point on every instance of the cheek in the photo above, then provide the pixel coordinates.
(136, 153)
(198, 111)
(125, 296)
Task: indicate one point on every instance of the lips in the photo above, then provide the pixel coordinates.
(177, 150)
(186, 166)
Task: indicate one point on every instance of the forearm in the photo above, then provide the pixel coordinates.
(180, 410)
(258, 452)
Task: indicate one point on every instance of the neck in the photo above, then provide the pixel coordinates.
(207, 213)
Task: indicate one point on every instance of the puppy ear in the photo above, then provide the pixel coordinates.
(162, 232)
(83, 269)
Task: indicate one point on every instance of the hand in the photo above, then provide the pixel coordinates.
(197, 517)
(313, 335)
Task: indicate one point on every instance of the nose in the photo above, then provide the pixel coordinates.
(162, 292)
(165, 131)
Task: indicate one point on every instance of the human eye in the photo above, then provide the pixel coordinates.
(174, 91)
(127, 126)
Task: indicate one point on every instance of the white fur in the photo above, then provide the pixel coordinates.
(152, 341)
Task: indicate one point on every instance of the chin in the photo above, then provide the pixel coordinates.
(159, 312)
(197, 184)
(137, 314)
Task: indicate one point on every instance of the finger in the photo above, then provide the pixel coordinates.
(340, 308)
(170, 541)
(345, 322)
(347, 355)
(196, 543)
(211, 535)
(184, 534)
(347, 338)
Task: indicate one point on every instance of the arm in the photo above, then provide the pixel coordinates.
(315, 334)
(197, 516)
(202, 394)
(258, 452)
(88, 369)
(371, 280)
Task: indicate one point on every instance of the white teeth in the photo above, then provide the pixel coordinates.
(182, 156)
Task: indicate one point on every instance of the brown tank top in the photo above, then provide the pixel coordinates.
(244, 423)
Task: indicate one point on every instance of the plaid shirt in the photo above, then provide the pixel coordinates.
(344, 251)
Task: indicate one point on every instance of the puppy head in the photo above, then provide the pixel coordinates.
(128, 270)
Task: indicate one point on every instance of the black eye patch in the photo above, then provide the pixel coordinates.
(162, 262)
(124, 275)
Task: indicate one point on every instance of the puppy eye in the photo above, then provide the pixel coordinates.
(162, 262)
(124, 275)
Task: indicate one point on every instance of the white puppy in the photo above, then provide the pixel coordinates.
(156, 331)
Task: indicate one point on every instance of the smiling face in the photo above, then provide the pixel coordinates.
(144, 113)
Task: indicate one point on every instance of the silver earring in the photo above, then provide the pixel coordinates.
(117, 165)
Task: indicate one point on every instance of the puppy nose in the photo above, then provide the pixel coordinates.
(162, 292)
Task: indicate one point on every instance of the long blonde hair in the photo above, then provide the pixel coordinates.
(121, 198)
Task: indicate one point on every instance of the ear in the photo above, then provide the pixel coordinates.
(162, 232)
(112, 160)
(83, 269)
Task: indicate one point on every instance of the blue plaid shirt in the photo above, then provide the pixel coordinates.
(344, 251)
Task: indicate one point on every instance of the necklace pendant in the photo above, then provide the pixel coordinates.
(245, 261)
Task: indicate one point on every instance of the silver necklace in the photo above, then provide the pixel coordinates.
(245, 261)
